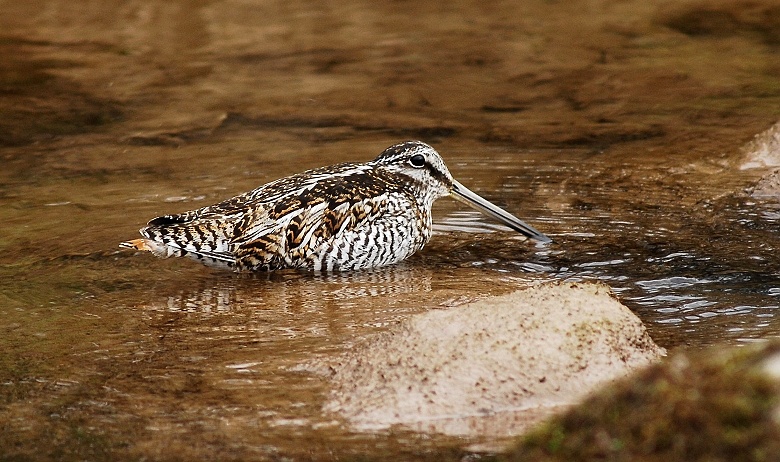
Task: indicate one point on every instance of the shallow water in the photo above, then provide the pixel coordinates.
(602, 124)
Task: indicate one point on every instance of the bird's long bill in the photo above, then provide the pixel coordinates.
(463, 194)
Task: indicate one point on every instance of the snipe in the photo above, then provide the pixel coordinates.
(343, 217)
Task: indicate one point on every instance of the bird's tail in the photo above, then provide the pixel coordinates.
(215, 259)
(148, 245)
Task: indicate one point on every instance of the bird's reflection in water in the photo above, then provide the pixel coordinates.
(292, 304)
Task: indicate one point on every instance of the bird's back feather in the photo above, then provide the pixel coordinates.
(299, 221)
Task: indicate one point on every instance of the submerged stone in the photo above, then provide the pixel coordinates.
(512, 359)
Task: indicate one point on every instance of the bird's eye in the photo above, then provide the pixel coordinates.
(417, 160)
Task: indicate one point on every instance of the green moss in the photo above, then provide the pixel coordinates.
(708, 405)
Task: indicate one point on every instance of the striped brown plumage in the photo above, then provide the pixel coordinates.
(343, 217)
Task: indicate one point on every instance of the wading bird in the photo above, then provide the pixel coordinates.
(343, 217)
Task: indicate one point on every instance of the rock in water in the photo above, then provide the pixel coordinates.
(531, 350)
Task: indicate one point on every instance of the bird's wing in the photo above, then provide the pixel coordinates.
(282, 219)
(313, 215)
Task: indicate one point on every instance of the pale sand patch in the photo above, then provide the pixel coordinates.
(493, 366)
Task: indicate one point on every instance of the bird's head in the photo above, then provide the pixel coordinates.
(430, 176)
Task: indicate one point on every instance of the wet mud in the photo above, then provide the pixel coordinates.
(614, 127)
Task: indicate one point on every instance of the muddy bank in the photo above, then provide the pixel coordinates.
(533, 350)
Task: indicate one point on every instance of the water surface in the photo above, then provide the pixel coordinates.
(601, 123)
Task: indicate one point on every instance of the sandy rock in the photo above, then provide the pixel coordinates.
(768, 187)
(532, 350)
(764, 150)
